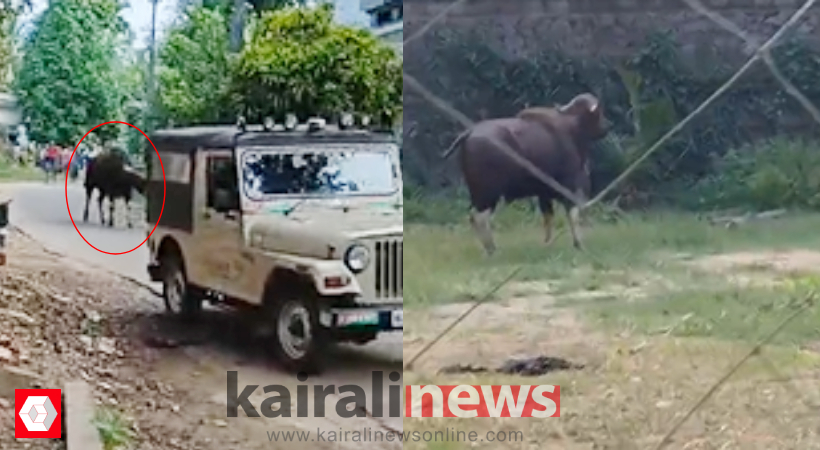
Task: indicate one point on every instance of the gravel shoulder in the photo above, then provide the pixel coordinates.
(61, 320)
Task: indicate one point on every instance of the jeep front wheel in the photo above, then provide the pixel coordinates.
(298, 338)
(179, 300)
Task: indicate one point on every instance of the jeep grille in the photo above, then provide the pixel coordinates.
(389, 273)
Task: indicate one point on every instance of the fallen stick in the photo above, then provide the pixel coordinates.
(731, 221)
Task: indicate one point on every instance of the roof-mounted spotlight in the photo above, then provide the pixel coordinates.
(365, 121)
(268, 123)
(346, 121)
(316, 124)
(241, 123)
(291, 121)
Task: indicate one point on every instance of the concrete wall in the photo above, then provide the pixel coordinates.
(607, 27)
(10, 114)
(392, 34)
(367, 5)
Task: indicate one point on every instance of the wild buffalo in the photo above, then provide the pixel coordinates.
(554, 140)
(109, 174)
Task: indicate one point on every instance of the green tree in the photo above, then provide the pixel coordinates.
(235, 9)
(195, 71)
(298, 60)
(68, 81)
(135, 100)
(9, 12)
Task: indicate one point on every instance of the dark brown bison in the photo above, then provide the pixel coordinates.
(555, 140)
(109, 174)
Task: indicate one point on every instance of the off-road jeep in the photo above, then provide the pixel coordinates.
(303, 223)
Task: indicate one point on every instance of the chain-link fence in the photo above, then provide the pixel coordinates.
(762, 55)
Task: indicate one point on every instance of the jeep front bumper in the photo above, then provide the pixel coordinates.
(386, 318)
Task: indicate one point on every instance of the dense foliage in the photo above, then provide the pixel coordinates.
(136, 105)
(236, 10)
(644, 96)
(195, 72)
(299, 61)
(296, 60)
(8, 14)
(68, 81)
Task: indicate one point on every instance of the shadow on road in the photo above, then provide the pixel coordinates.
(230, 334)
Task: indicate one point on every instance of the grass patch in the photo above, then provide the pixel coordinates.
(725, 312)
(444, 263)
(664, 324)
(11, 171)
(633, 399)
(115, 431)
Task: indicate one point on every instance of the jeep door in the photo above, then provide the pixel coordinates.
(218, 244)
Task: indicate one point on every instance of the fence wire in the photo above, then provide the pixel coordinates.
(761, 54)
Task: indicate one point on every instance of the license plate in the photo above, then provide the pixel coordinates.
(357, 319)
(397, 318)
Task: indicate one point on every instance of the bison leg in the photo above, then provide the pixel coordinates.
(574, 214)
(548, 213)
(481, 222)
(100, 199)
(111, 204)
(88, 192)
(128, 212)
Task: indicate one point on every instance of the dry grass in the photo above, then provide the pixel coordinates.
(658, 313)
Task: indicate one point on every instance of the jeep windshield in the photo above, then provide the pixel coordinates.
(352, 170)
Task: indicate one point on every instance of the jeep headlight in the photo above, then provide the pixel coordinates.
(357, 257)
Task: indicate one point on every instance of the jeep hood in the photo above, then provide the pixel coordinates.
(320, 233)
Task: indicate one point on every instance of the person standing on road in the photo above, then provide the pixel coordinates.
(76, 163)
(23, 144)
(50, 160)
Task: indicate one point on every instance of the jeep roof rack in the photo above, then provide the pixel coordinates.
(189, 139)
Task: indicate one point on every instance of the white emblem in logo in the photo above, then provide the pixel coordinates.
(38, 413)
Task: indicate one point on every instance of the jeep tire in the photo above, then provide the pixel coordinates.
(298, 338)
(179, 298)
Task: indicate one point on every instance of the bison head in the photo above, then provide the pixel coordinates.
(586, 109)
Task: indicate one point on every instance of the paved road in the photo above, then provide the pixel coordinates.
(40, 210)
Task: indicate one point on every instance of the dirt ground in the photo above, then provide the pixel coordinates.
(633, 388)
(62, 321)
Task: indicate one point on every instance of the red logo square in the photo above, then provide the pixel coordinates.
(38, 413)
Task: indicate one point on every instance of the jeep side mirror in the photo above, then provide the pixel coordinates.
(224, 201)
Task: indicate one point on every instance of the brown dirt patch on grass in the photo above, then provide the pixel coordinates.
(631, 391)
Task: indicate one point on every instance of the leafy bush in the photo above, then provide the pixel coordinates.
(114, 430)
(195, 72)
(298, 60)
(644, 95)
(68, 79)
(776, 173)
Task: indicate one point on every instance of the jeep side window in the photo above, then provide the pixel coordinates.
(223, 194)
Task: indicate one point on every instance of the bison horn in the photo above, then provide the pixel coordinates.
(594, 108)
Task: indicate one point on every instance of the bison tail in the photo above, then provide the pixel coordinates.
(456, 144)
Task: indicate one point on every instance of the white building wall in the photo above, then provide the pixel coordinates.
(10, 114)
(394, 34)
(390, 32)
